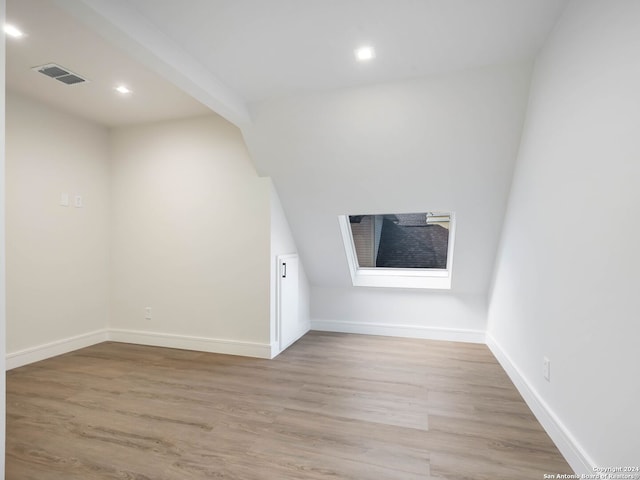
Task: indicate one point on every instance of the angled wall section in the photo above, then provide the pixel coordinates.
(566, 281)
(446, 143)
(283, 243)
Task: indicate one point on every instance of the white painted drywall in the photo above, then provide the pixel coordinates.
(3, 322)
(283, 243)
(57, 285)
(446, 143)
(566, 281)
(190, 232)
(381, 311)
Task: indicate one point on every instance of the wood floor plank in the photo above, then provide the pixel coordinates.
(333, 406)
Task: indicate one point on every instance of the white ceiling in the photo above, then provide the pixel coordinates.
(279, 47)
(228, 53)
(52, 36)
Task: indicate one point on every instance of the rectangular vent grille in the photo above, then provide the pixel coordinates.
(61, 74)
(70, 79)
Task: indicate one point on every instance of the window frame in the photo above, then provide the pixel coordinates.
(385, 277)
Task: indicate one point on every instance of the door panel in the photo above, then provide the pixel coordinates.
(288, 315)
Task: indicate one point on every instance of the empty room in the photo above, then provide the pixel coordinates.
(320, 240)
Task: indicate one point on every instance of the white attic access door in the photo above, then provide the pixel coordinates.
(289, 328)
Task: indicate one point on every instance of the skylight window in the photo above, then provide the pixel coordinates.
(402, 250)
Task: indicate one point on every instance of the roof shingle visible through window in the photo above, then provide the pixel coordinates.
(407, 245)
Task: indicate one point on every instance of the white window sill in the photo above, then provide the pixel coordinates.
(400, 279)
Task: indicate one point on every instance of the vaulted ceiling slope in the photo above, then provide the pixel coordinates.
(230, 53)
(263, 49)
(446, 143)
(433, 122)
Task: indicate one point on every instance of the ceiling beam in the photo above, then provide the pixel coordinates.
(124, 27)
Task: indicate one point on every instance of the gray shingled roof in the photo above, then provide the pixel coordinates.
(407, 246)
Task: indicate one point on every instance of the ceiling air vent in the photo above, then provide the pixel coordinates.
(60, 73)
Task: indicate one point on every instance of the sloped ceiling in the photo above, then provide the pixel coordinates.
(446, 143)
(264, 49)
(230, 53)
(433, 122)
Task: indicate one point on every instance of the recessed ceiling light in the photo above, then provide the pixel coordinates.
(365, 53)
(13, 31)
(122, 89)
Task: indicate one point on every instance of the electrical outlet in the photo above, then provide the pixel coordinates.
(546, 369)
(77, 201)
(147, 313)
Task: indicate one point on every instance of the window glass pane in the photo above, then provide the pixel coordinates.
(401, 240)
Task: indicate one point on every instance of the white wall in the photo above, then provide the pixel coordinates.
(3, 322)
(566, 281)
(446, 143)
(439, 316)
(57, 286)
(175, 218)
(190, 238)
(283, 243)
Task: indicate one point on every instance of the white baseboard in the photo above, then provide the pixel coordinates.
(573, 452)
(201, 344)
(52, 349)
(407, 331)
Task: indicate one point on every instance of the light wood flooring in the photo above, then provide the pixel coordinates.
(333, 406)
